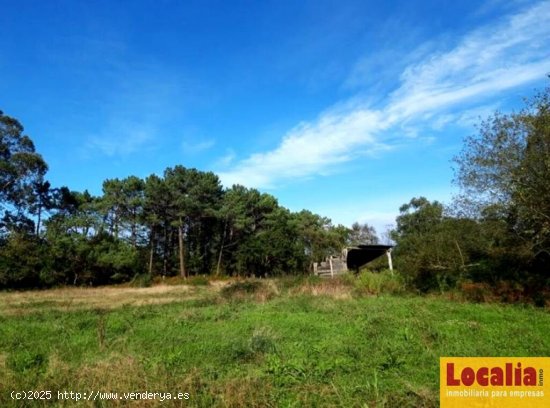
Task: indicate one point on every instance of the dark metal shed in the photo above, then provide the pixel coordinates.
(363, 254)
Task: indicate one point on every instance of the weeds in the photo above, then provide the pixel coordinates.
(257, 290)
(316, 342)
(198, 280)
(261, 342)
(376, 283)
(143, 280)
(338, 288)
(101, 330)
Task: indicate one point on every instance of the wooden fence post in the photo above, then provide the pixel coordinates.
(390, 264)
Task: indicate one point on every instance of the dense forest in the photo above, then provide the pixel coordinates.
(496, 233)
(181, 223)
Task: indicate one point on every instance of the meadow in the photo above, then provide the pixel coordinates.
(288, 342)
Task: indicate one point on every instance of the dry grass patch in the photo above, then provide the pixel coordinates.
(116, 374)
(3, 359)
(245, 392)
(66, 299)
(253, 289)
(334, 288)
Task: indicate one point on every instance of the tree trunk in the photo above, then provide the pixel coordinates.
(181, 250)
(38, 221)
(221, 249)
(165, 251)
(134, 229)
(115, 225)
(152, 252)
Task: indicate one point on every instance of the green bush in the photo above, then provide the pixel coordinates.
(260, 343)
(199, 280)
(21, 262)
(143, 280)
(26, 360)
(241, 287)
(249, 289)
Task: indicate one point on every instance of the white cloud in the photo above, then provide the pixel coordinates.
(310, 148)
(485, 62)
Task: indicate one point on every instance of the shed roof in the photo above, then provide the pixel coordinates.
(363, 254)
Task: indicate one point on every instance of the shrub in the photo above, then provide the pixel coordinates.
(503, 291)
(143, 280)
(373, 283)
(478, 292)
(27, 360)
(198, 280)
(250, 289)
(261, 342)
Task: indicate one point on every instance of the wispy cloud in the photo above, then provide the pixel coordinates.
(131, 125)
(378, 211)
(311, 148)
(121, 139)
(135, 98)
(492, 59)
(140, 102)
(197, 146)
(226, 160)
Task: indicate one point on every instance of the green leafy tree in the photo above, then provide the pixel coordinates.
(435, 250)
(112, 205)
(133, 191)
(242, 214)
(319, 237)
(122, 204)
(362, 234)
(157, 216)
(196, 196)
(21, 170)
(504, 170)
(41, 201)
(236, 221)
(22, 258)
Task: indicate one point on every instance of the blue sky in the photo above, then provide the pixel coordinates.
(346, 108)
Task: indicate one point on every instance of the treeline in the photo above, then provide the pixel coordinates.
(183, 223)
(494, 239)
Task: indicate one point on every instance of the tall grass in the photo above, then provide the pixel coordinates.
(376, 283)
(256, 343)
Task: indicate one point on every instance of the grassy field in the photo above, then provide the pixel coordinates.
(289, 342)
